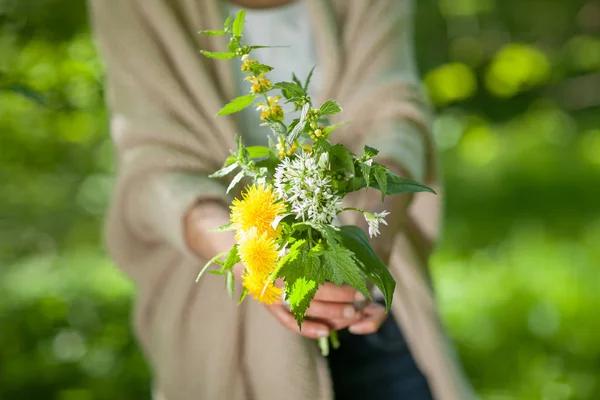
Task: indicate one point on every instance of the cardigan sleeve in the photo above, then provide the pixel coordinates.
(165, 144)
(380, 87)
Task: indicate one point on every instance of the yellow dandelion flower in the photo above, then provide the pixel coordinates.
(258, 252)
(258, 286)
(258, 208)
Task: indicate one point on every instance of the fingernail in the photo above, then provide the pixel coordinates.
(359, 297)
(322, 333)
(355, 329)
(349, 312)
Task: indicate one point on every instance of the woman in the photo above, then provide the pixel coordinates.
(163, 97)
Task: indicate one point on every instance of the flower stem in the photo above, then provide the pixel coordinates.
(353, 209)
(335, 341)
(324, 346)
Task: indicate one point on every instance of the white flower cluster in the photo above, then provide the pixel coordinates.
(306, 186)
(374, 219)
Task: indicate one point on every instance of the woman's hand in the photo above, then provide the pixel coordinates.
(333, 308)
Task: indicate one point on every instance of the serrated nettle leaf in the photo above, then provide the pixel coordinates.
(224, 228)
(238, 23)
(237, 104)
(218, 55)
(330, 107)
(227, 22)
(277, 127)
(300, 290)
(224, 171)
(341, 159)
(258, 68)
(293, 89)
(236, 179)
(303, 264)
(302, 293)
(371, 265)
(230, 283)
(366, 172)
(310, 74)
(344, 268)
(371, 151)
(331, 128)
(213, 33)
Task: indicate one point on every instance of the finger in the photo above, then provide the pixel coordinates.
(375, 316)
(333, 293)
(329, 311)
(310, 329)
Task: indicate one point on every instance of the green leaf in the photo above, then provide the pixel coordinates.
(237, 104)
(299, 128)
(397, 185)
(380, 174)
(341, 159)
(343, 267)
(230, 283)
(304, 266)
(366, 172)
(293, 124)
(371, 265)
(371, 152)
(266, 47)
(330, 107)
(296, 80)
(310, 74)
(291, 256)
(218, 55)
(277, 127)
(242, 295)
(233, 45)
(236, 179)
(299, 291)
(213, 260)
(300, 294)
(238, 23)
(227, 22)
(213, 33)
(258, 68)
(224, 228)
(224, 171)
(290, 89)
(331, 128)
(258, 151)
(233, 258)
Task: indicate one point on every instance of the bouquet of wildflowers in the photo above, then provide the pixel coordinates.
(284, 222)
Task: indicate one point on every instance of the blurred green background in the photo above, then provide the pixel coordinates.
(517, 86)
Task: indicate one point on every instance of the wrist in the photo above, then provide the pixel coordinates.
(204, 216)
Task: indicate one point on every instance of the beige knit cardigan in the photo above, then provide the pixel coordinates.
(163, 97)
